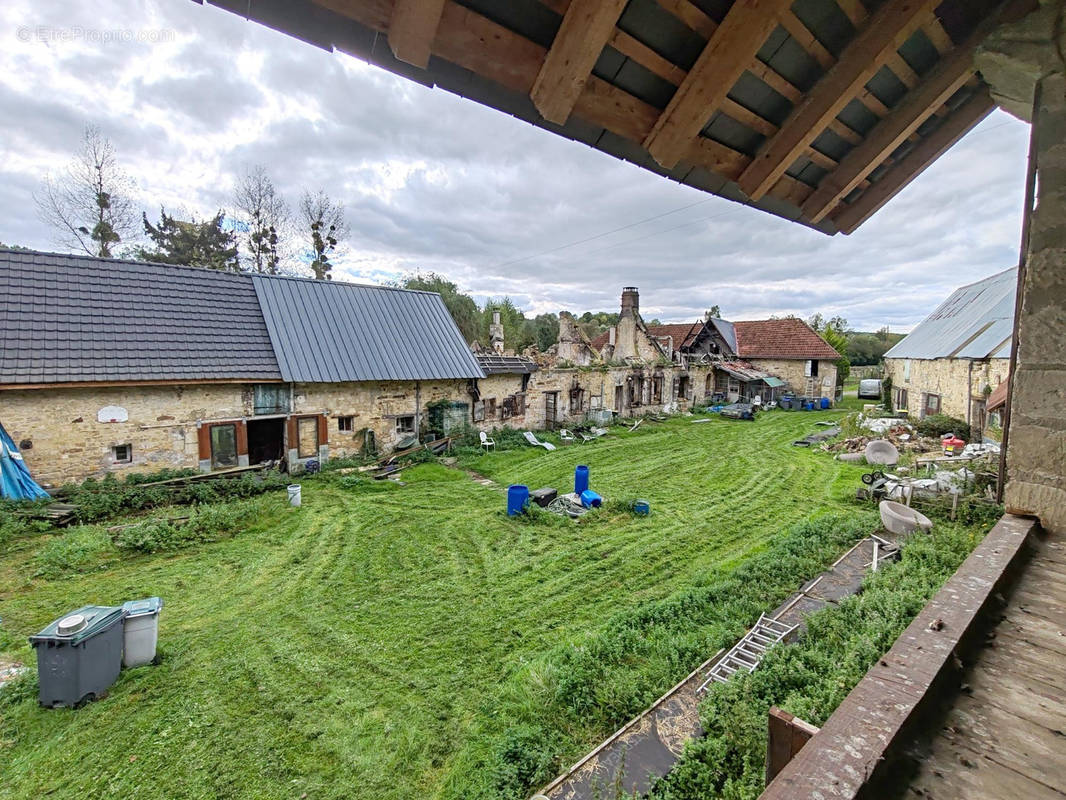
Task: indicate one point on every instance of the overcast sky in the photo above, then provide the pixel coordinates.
(191, 95)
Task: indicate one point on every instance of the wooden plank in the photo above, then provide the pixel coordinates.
(412, 28)
(886, 30)
(807, 40)
(635, 49)
(917, 106)
(900, 174)
(586, 27)
(787, 735)
(691, 15)
(728, 52)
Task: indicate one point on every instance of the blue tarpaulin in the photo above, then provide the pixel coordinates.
(15, 480)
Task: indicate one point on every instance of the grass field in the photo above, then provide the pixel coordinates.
(355, 647)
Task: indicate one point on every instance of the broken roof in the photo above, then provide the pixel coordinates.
(495, 364)
(682, 335)
(74, 319)
(976, 321)
(781, 338)
(743, 371)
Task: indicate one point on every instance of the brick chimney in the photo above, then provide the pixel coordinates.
(630, 301)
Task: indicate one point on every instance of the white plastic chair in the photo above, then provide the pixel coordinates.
(486, 442)
(566, 437)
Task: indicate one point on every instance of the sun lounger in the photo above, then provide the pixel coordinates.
(536, 442)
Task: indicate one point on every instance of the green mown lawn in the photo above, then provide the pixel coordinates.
(352, 648)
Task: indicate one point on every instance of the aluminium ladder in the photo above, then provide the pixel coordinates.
(749, 651)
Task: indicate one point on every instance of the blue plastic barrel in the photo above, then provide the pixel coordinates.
(824, 402)
(589, 499)
(809, 406)
(517, 499)
(581, 479)
(641, 508)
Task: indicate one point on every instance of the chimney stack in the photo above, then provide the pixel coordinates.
(496, 333)
(630, 301)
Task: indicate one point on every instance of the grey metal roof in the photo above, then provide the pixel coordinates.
(328, 331)
(976, 321)
(494, 364)
(66, 318)
(726, 331)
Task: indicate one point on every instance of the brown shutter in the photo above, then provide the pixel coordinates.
(323, 430)
(203, 437)
(292, 440)
(242, 438)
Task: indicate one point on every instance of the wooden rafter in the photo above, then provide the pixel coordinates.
(885, 31)
(946, 78)
(901, 173)
(411, 29)
(730, 49)
(586, 27)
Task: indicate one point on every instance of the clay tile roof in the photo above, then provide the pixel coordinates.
(599, 341)
(998, 398)
(781, 338)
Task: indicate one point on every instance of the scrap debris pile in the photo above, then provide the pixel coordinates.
(895, 431)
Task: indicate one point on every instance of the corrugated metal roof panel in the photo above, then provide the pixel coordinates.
(328, 332)
(976, 321)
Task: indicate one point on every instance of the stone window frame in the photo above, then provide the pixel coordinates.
(346, 423)
(405, 423)
(127, 459)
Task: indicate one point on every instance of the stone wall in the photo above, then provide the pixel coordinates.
(68, 443)
(793, 372)
(1036, 444)
(958, 381)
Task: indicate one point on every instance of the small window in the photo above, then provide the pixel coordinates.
(405, 424)
(932, 405)
(345, 424)
(479, 411)
(122, 453)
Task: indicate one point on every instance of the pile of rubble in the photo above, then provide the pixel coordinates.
(889, 429)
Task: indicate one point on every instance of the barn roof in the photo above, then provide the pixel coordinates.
(819, 111)
(73, 319)
(976, 321)
(682, 335)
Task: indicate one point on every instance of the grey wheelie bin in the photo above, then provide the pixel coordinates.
(79, 655)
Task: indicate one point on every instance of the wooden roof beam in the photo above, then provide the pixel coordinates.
(730, 49)
(949, 75)
(899, 175)
(586, 27)
(885, 31)
(412, 28)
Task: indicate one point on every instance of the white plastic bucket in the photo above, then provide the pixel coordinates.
(294, 494)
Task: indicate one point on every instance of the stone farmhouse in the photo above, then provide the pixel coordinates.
(111, 366)
(959, 355)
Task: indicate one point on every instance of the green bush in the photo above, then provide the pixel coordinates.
(99, 500)
(77, 549)
(939, 424)
(205, 524)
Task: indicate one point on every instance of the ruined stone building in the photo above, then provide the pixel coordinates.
(959, 355)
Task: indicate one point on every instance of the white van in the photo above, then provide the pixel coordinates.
(870, 389)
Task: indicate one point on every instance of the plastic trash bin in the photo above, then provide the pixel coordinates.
(295, 491)
(589, 499)
(79, 655)
(140, 631)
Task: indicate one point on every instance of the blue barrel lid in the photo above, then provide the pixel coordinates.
(139, 608)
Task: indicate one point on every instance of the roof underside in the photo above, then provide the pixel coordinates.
(73, 319)
(329, 332)
(818, 111)
(977, 321)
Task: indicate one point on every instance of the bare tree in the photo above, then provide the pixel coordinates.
(263, 218)
(90, 204)
(324, 221)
